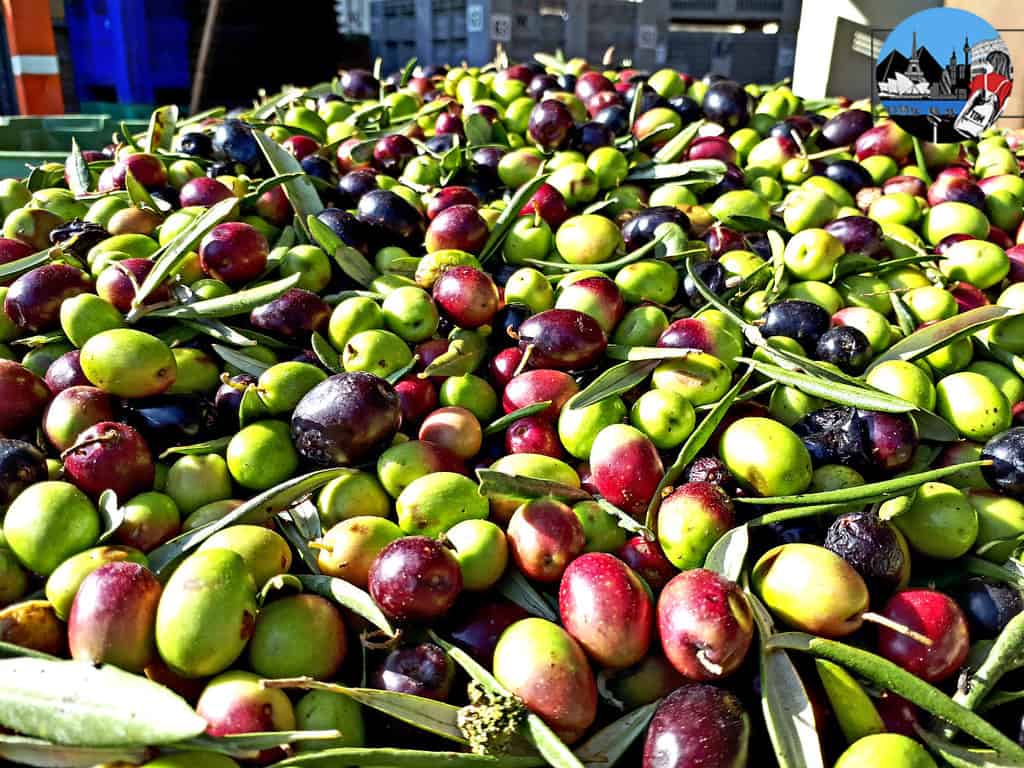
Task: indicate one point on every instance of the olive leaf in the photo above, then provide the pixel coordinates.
(162, 124)
(45, 754)
(291, 525)
(325, 353)
(215, 329)
(624, 352)
(351, 261)
(727, 555)
(1005, 652)
(111, 514)
(694, 445)
(933, 337)
(77, 170)
(606, 747)
(138, 194)
(256, 510)
(400, 373)
(788, 712)
(508, 216)
(79, 704)
(903, 317)
(40, 339)
(878, 491)
(495, 483)
(251, 408)
(429, 715)
(636, 103)
(404, 758)
(343, 593)
(676, 147)
(613, 382)
(240, 360)
(129, 137)
(216, 445)
(796, 513)
(689, 171)
(509, 419)
(778, 249)
(551, 748)
(169, 257)
(958, 756)
(744, 223)
(300, 190)
(478, 130)
(516, 588)
(233, 304)
(999, 698)
(919, 159)
(14, 269)
(889, 676)
(852, 707)
(247, 746)
(465, 352)
(10, 650)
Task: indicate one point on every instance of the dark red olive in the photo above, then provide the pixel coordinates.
(417, 398)
(460, 227)
(858, 234)
(66, 371)
(955, 189)
(419, 670)
(844, 128)
(720, 239)
(477, 630)
(359, 84)
(295, 313)
(503, 366)
(110, 455)
(21, 465)
(203, 191)
(537, 386)
(698, 726)
(533, 434)
(468, 296)
(234, 252)
(117, 283)
(711, 148)
(639, 230)
(33, 300)
(548, 203)
(550, 124)
(646, 558)
(727, 104)
(449, 196)
(24, 396)
(563, 339)
(415, 579)
(391, 153)
(911, 185)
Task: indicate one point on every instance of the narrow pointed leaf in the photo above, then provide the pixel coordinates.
(694, 444)
(18, 267)
(233, 304)
(778, 249)
(348, 596)
(729, 552)
(111, 514)
(325, 353)
(495, 483)
(958, 756)
(290, 529)
(509, 419)
(77, 703)
(509, 215)
(250, 407)
(743, 223)
(852, 707)
(300, 191)
(170, 256)
(927, 340)
(710, 171)
(249, 745)
(77, 170)
(138, 194)
(268, 184)
(613, 382)
(885, 674)
(676, 147)
(216, 445)
(256, 510)
(45, 754)
(351, 261)
(240, 360)
(843, 394)
(478, 130)
(385, 757)
(162, 124)
(869, 491)
(516, 588)
(397, 375)
(217, 330)
(606, 747)
(10, 650)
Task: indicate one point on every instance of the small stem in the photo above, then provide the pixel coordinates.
(526, 359)
(106, 437)
(318, 545)
(895, 626)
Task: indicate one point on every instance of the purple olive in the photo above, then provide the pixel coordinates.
(698, 726)
(550, 124)
(295, 313)
(563, 339)
(858, 234)
(845, 127)
(420, 670)
(33, 300)
(415, 579)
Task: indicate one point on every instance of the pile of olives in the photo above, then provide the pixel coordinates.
(673, 416)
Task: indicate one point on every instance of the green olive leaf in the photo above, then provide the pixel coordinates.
(251, 408)
(1002, 657)
(138, 194)
(727, 555)
(703, 171)
(299, 190)
(233, 304)
(111, 514)
(885, 674)
(77, 170)
(509, 419)
(957, 756)
(268, 184)
(351, 261)
(403, 758)
(508, 216)
(694, 444)
(919, 159)
(10, 650)
(933, 337)
(743, 223)
(79, 704)
(514, 587)
(788, 712)
(606, 747)
(343, 593)
(903, 317)
(623, 352)
(778, 248)
(613, 382)
(169, 257)
(241, 361)
(429, 715)
(217, 330)
(636, 103)
(129, 138)
(676, 147)
(40, 340)
(325, 353)
(256, 510)
(247, 746)
(162, 124)
(495, 483)
(878, 491)
(478, 130)
(216, 445)
(44, 754)
(15, 269)
(852, 707)
(291, 529)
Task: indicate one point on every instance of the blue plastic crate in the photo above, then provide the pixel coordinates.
(130, 51)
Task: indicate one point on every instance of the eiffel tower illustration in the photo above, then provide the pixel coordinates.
(914, 71)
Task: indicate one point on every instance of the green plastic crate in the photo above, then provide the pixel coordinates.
(28, 141)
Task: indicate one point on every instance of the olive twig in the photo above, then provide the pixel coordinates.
(895, 626)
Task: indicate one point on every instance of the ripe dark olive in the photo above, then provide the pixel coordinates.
(541, 84)
(234, 252)
(316, 166)
(935, 616)
(548, 203)
(229, 397)
(66, 371)
(844, 128)
(712, 148)
(110, 455)
(720, 239)
(712, 274)
(24, 396)
(801, 321)
(988, 606)
(875, 550)
(615, 117)
(591, 136)
(639, 230)
(533, 434)
(359, 84)
(21, 465)
(550, 124)
(711, 469)
(852, 176)
(171, 420)
(872, 443)
(686, 108)
(196, 144)
(203, 191)
(345, 418)
(415, 579)
(1006, 472)
(506, 324)
(845, 347)
(727, 104)
(477, 630)
(351, 230)
(698, 726)
(295, 313)
(646, 558)
(468, 296)
(85, 234)
(421, 670)
(392, 219)
(33, 300)
(858, 234)
(354, 184)
(458, 226)
(563, 339)
(117, 283)
(233, 140)
(446, 197)
(391, 153)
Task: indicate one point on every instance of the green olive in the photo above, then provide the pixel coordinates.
(937, 519)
